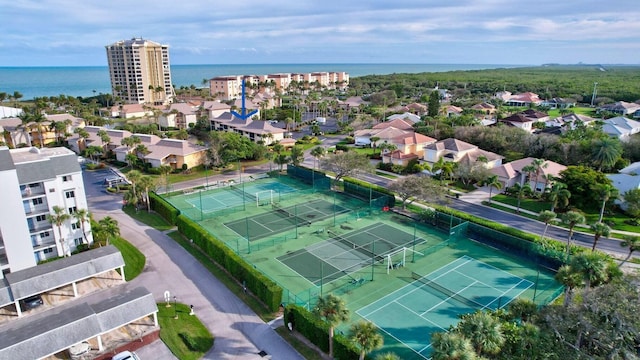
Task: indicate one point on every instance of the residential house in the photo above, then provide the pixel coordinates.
(511, 173)
(409, 146)
(455, 150)
(451, 111)
(256, 130)
(569, 121)
(78, 144)
(407, 116)
(526, 119)
(415, 108)
(17, 134)
(558, 103)
(179, 154)
(363, 137)
(620, 127)
(623, 183)
(214, 109)
(621, 107)
(178, 115)
(632, 169)
(8, 112)
(486, 109)
(521, 99)
(130, 111)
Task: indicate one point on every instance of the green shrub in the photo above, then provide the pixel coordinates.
(164, 208)
(191, 343)
(342, 147)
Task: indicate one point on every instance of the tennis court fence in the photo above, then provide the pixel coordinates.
(359, 248)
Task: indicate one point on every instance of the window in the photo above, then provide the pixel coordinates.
(72, 210)
(77, 241)
(37, 201)
(69, 194)
(44, 234)
(48, 251)
(75, 226)
(66, 178)
(41, 217)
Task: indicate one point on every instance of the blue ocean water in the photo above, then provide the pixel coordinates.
(92, 80)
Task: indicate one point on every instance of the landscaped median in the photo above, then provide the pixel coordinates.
(184, 334)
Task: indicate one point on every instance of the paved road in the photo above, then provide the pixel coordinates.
(240, 333)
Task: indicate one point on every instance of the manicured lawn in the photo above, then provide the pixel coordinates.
(134, 260)
(388, 176)
(151, 219)
(526, 204)
(186, 336)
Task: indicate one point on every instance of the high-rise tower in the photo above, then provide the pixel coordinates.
(140, 72)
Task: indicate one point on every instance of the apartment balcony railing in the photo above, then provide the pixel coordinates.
(39, 227)
(33, 191)
(36, 210)
(43, 244)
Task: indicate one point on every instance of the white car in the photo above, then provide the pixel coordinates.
(126, 355)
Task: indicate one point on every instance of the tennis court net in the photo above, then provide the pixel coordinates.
(359, 248)
(300, 221)
(240, 192)
(434, 285)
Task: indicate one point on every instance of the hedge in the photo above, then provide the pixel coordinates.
(317, 331)
(362, 189)
(164, 208)
(264, 288)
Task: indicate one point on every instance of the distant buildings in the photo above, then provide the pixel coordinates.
(34, 181)
(140, 71)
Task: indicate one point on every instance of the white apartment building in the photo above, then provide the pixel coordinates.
(140, 72)
(34, 181)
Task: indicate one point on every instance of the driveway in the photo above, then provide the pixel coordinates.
(239, 332)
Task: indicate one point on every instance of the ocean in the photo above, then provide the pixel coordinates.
(88, 81)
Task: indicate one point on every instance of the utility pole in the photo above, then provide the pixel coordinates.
(593, 97)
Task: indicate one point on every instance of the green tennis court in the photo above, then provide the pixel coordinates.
(282, 219)
(343, 255)
(434, 302)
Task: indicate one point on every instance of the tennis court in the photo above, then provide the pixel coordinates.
(342, 255)
(230, 195)
(284, 218)
(434, 302)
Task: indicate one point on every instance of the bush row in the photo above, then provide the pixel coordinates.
(317, 331)
(265, 289)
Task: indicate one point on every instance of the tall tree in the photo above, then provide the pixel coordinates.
(83, 216)
(297, 155)
(539, 165)
(546, 217)
(58, 218)
(606, 152)
(416, 187)
(451, 346)
(571, 279)
(484, 331)
(317, 152)
(592, 267)
(109, 226)
(346, 164)
(334, 311)
(434, 103)
(558, 194)
(631, 242)
(605, 192)
(492, 182)
(146, 184)
(521, 190)
(572, 218)
(365, 335)
(599, 229)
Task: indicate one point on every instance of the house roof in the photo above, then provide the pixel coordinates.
(48, 332)
(483, 106)
(453, 109)
(75, 121)
(518, 118)
(35, 165)
(451, 144)
(632, 169)
(472, 157)
(396, 123)
(549, 167)
(215, 105)
(261, 127)
(534, 114)
(167, 147)
(619, 126)
(182, 108)
(624, 182)
(505, 171)
(413, 138)
(407, 115)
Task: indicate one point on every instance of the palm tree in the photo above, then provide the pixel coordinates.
(546, 216)
(484, 331)
(451, 346)
(365, 335)
(83, 216)
(571, 279)
(134, 176)
(592, 267)
(529, 170)
(521, 190)
(146, 183)
(599, 229)
(492, 182)
(58, 217)
(633, 243)
(605, 192)
(317, 153)
(538, 165)
(334, 311)
(374, 140)
(572, 218)
(558, 194)
(387, 356)
(606, 152)
(523, 309)
(109, 226)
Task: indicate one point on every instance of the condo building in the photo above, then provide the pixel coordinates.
(140, 72)
(34, 181)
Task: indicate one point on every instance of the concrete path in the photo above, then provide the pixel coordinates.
(239, 332)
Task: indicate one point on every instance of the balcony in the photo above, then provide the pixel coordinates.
(44, 244)
(40, 227)
(28, 192)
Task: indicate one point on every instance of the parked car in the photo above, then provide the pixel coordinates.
(31, 302)
(126, 355)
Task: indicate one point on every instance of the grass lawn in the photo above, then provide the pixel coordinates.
(134, 260)
(385, 175)
(186, 336)
(151, 219)
(304, 350)
(526, 204)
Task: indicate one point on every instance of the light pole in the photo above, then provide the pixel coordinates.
(175, 308)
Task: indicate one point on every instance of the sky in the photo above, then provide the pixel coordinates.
(75, 32)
